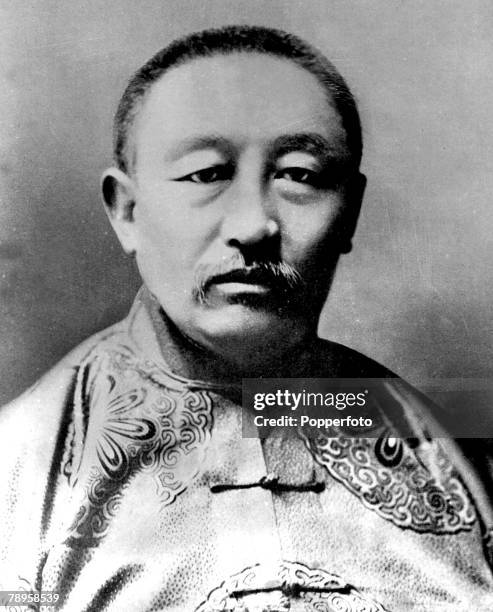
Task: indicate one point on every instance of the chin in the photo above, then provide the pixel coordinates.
(238, 327)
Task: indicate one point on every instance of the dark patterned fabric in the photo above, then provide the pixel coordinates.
(405, 492)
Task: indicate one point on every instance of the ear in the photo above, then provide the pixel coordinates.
(355, 190)
(118, 192)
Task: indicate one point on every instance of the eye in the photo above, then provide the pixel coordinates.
(213, 174)
(300, 175)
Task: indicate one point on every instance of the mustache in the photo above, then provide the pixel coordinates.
(279, 275)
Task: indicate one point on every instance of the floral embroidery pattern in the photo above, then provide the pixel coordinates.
(256, 588)
(142, 419)
(398, 484)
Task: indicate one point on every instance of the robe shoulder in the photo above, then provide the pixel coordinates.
(346, 362)
(36, 414)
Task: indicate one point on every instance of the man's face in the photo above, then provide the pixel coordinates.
(240, 194)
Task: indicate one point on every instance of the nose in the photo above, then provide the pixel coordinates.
(250, 217)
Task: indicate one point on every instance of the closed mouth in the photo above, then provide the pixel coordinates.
(245, 276)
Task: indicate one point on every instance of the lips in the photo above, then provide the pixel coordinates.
(246, 276)
(263, 284)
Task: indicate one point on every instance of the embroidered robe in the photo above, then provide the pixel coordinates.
(112, 485)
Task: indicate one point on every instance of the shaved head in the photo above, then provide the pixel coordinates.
(224, 41)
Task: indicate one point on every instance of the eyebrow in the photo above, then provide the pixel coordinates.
(198, 143)
(309, 142)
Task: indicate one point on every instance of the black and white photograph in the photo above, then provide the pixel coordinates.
(246, 277)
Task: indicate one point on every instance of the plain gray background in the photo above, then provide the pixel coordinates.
(417, 290)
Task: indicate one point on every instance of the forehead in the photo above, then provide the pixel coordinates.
(241, 97)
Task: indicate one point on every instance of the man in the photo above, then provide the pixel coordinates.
(130, 486)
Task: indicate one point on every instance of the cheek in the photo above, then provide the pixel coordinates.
(175, 238)
(310, 231)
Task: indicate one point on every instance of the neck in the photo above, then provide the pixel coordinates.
(190, 359)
